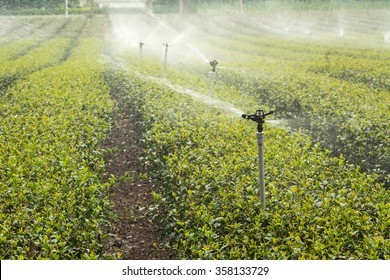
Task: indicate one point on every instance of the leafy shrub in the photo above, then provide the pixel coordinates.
(53, 203)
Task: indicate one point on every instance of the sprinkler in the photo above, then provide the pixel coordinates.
(214, 64)
(259, 117)
(165, 60)
(213, 75)
(141, 44)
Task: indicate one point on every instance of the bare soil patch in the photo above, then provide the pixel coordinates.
(133, 236)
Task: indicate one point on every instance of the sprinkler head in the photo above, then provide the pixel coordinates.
(141, 44)
(214, 65)
(258, 117)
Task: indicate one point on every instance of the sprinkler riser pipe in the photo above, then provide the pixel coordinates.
(260, 144)
(165, 60)
(259, 117)
(212, 80)
(66, 9)
(141, 44)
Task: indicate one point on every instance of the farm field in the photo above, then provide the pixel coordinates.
(327, 148)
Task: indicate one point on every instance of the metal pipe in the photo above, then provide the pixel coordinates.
(213, 76)
(141, 44)
(241, 6)
(181, 7)
(260, 143)
(259, 118)
(212, 80)
(165, 60)
(66, 8)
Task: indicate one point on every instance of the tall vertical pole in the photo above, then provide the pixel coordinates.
(260, 143)
(66, 8)
(241, 6)
(165, 60)
(212, 80)
(259, 117)
(141, 44)
(181, 7)
(149, 7)
(213, 75)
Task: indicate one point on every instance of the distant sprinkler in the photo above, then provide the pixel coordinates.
(259, 118)
(165, 60)
(214, 64)
(213, 76)
(141, 44)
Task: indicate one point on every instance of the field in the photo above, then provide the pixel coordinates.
(327, 168)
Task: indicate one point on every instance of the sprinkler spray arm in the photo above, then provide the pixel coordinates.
(214, 65)
(258, 117)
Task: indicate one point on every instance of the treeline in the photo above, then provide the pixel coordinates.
(175, 2)
(254, 5)
(12, 4)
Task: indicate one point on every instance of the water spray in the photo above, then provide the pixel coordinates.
(141, 44)
(259, 117)
(165, 60)
(213, 76)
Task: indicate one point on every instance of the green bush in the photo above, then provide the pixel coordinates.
(54, 203)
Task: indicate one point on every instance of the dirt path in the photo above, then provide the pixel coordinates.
(133, 236)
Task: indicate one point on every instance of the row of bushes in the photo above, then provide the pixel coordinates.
(54, 198)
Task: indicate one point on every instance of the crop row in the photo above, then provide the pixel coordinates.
(318, 206)
(49, 53)
(53, 202)
(22, 36)
(22, 57)
(365, 71)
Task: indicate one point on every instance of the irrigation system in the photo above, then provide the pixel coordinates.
(259, 118)
(213, 76)
(66, 8)
(141, 44)
(165, 60)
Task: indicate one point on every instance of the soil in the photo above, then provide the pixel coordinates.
(132, 235)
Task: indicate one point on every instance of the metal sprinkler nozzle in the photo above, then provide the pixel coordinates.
(258, 117)
(214, 64)
(141, 44)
